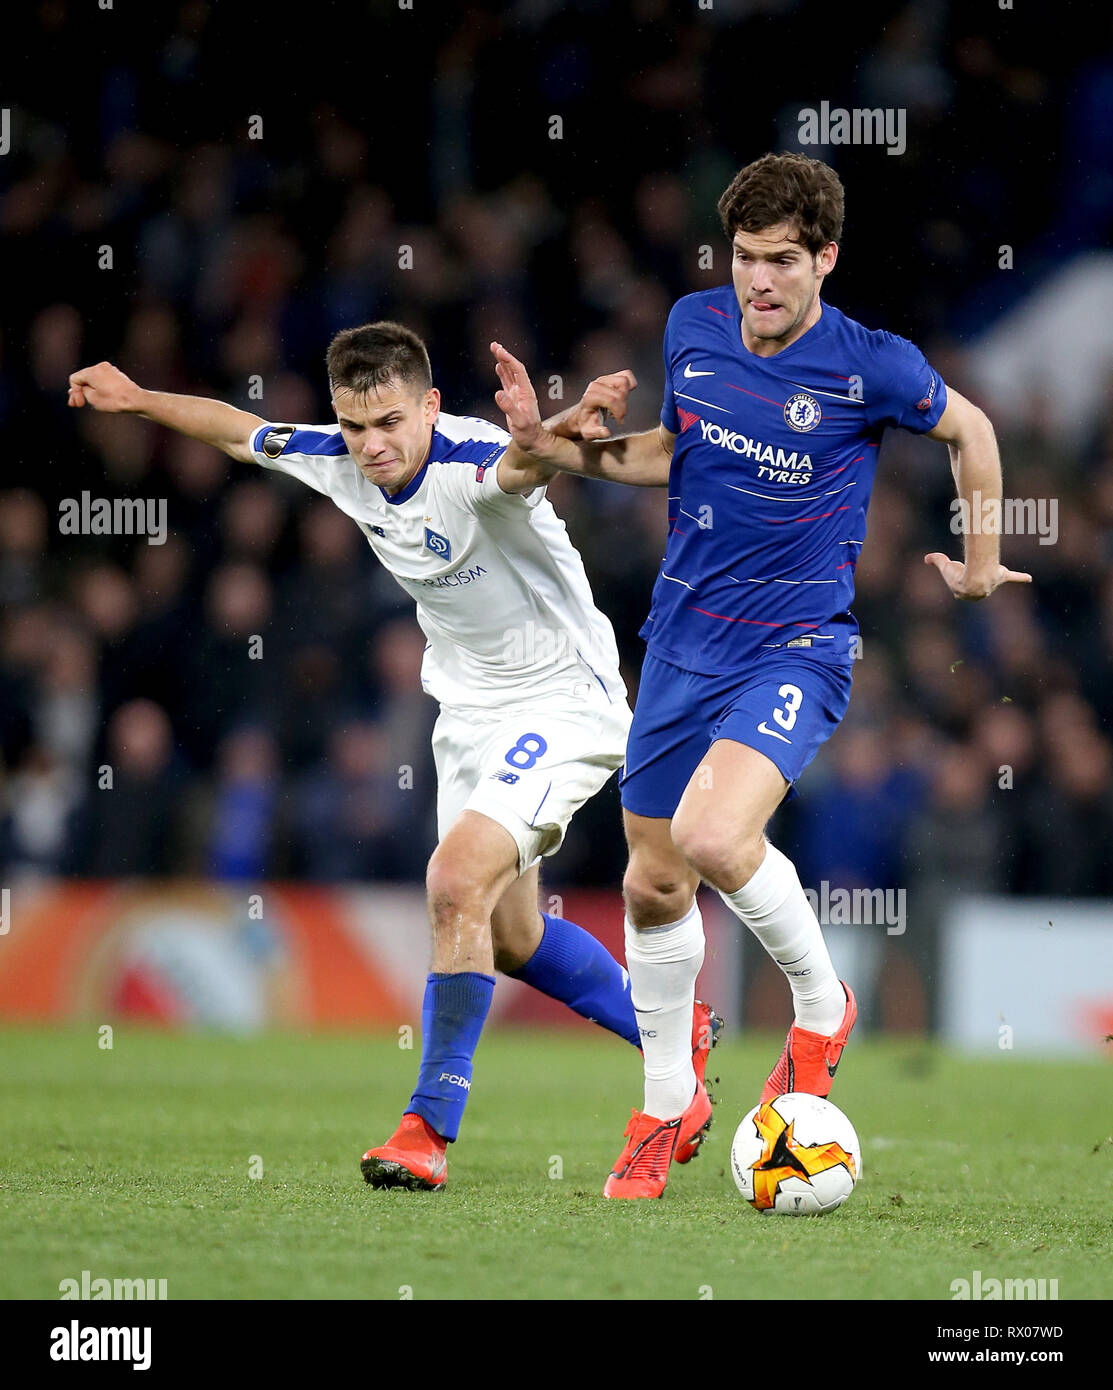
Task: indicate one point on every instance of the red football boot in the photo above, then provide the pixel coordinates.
(809, 1060)
(642, 1169)
(706, 1027)
(413, 1157)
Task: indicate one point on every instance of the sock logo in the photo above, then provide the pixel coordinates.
(456, 1080)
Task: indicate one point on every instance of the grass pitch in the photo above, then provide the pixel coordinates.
(137, 1163)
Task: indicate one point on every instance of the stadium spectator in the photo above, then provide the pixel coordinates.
(849, 829)
(241, 832)
(131, 824)
(23, 524)
(349, 811)
(232, 665)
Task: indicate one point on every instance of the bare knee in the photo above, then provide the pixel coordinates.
(657, 893)
(722, 854)
(459, 897)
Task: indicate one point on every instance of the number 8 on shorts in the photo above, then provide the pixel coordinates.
(526, 751)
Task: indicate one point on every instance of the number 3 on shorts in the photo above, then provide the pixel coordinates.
(792, 695)
(530, 747)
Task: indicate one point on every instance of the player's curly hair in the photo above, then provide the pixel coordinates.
(806, 193)
(364, 359)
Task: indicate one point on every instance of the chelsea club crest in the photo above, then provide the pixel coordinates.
(802, 412)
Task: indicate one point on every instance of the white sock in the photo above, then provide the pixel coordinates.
(663, 963)
(774, 907)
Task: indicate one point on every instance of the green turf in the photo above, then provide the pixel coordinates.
(134, 1163)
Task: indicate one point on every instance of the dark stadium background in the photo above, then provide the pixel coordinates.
(429, 128)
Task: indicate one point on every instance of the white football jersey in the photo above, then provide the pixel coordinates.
(500, 590)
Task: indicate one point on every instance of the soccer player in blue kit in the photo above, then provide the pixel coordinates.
(775, 404)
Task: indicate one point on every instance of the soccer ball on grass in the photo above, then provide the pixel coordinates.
(797, 1155)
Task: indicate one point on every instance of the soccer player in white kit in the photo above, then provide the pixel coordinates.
(534, 714)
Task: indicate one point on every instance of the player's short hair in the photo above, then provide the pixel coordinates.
(806, 193)
(364, 359)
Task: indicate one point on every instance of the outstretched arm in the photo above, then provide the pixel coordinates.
(105, 387)
(976, 466)
(539, 450)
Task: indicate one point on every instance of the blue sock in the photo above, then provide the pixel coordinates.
(452, 1017)
(570, 965)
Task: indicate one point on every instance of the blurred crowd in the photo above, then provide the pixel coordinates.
(137, 733)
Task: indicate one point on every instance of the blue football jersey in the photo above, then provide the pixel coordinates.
(771, 478)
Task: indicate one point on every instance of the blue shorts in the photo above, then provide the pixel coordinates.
(786, 707)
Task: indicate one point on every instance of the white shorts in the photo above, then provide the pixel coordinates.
(529, 766)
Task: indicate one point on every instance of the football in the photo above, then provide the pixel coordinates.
(797, 1155)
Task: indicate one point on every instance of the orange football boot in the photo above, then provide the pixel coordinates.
(809, 1060)
(642, 1169)
(706, 1027)
(413, 1157)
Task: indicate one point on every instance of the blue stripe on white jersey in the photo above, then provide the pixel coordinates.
(477, 451)
(317, 442)
(476, 442)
